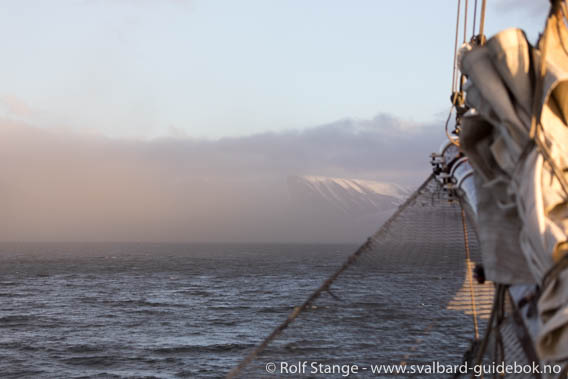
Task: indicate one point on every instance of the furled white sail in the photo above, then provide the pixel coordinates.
(522, 167)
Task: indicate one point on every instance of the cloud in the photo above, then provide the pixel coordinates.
(362, 148)
(60, 185)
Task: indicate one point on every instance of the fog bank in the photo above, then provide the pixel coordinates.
(65, 186)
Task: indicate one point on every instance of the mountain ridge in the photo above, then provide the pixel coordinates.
(348, 195)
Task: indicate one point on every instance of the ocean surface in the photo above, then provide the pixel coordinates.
(194, 310)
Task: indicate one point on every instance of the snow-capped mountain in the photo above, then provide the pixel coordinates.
(347, 209)
(347, 195)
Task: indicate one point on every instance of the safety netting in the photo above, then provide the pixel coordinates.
(406, 301)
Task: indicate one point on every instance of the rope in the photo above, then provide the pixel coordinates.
(499, 347)
(465, 21)
(523, 335)
(454, 89)
(482, 22)
(462, 76)
(474, 18)
(368, 245)
(469, 275)
(454, 78)
(452, 140)
(499, 298)
(539, 84)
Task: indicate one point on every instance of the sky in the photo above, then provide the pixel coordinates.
(212, 68)
(181, 121)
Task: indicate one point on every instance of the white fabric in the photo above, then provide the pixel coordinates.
(500, 89)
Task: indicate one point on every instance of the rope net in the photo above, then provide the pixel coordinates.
(406, 296)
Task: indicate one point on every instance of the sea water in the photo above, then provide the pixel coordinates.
(194, 310)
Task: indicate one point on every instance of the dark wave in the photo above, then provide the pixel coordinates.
(224, 322)
(200, 293)
(16, 319)
(97, 360)
(277, 309)
(84, 349)
(8, 283)
(142, 303)
(216, 348)
(13, 294)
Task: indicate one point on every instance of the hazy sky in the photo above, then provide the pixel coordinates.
(211, 68)
(181, 120)
(64, 186)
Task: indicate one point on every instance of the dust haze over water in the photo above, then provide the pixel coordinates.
(210, 69)
(61, 185)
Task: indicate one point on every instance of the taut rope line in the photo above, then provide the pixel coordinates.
(468, 272)
(327, 283)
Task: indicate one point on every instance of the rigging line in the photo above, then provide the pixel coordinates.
(474, 18)
(522, 333)
(452, 140)
(498, 347)
(456, 51)
(482, 21)
(368, 245)
(540, 82)
(465, 21)
(468, 271)
(557, 171)
(499, 294)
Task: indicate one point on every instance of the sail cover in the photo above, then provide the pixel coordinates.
(522, 167)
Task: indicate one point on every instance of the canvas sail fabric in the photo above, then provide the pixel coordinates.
(522, 209)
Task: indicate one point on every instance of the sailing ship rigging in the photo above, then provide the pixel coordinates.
(500, 184)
